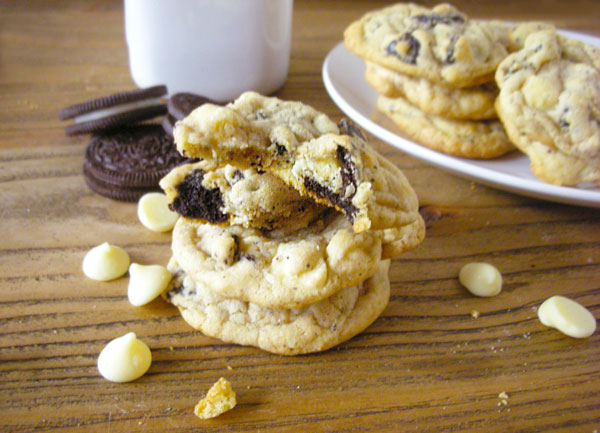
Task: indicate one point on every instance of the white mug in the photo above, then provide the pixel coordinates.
(215, 48)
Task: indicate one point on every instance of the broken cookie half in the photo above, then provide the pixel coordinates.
(329, 162)
(223, 195)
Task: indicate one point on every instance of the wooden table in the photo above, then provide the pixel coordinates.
(426, 365)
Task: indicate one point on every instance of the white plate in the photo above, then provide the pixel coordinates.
(343, 75)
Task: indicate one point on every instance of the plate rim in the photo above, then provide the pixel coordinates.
(463, 167)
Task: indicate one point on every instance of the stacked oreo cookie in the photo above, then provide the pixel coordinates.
(125, 158)
(287, 228)
(434, 72)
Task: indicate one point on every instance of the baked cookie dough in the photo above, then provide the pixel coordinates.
(329, 162)
(468, 103)
(277, 269)
(439, 44)
(314, 328)
(549, 103)
(207, 192)
(482, 139)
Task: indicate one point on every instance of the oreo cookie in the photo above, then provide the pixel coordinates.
(115, 110)
(126, 163)
(179, 106)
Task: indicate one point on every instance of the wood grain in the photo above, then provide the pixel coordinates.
(426, 365)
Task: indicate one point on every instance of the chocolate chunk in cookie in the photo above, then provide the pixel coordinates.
(440, 44)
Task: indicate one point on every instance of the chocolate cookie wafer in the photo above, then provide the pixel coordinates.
(179, 106)
(126, 163)
(115, 110)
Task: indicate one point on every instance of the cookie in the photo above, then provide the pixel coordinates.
(313, 328)
(483, 139)
(168, 123)
(113, 111)
(518, 32)
(549, 102)
(439, 44)
(329, 162)
(468, 103)
(277, 269)
(126, 163)
(226, 194)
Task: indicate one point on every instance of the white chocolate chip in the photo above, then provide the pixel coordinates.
(124, 359)
(146, 283)
(567, 316)
(105, 262)
(481, 279)
(154, 213)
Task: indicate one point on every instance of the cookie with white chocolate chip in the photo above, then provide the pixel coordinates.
(483, 139)
(207, 192)
(329, 162)
(312, 328)
(277, 269)
(468, 103)
(549, 103)
(440, 44)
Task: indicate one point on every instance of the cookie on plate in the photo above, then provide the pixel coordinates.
(483, 139)
(518, 32)
(277, 269)
(329, 162)
(549, 102)
(126, 163)
(439, 44)
(115, 110)
(207, 192)
(468, 103)
(312, 328)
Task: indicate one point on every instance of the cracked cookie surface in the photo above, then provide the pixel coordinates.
(549, 102)
(313, 328)
(439, 44)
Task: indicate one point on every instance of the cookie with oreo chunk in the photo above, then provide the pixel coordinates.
(440, 44)
(324, 160)
(126, 163)
(312, 328)
(206, 192)
(114, 111)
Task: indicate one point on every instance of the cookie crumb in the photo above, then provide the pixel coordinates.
(229, 367)
(219, 398)
(474, 314)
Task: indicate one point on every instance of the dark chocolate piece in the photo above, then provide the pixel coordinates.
(335, 199)
(348, 127)
(413, 51)
(195, 201)
(432, 20)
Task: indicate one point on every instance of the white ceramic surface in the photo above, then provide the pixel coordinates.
(343, 75)
(216, 48)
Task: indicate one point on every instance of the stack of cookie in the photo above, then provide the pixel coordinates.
(287, 227)
(434, 72)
